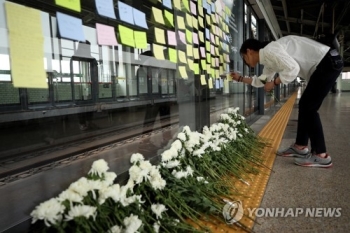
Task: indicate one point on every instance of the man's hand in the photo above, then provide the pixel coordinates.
(235, 76)
(269, 86)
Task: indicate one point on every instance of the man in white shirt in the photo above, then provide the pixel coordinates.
(293, 56)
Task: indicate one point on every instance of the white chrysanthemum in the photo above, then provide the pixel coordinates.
(81, 211)
(198, 152)
(200, 178)
(137, 157)
(109, 178)
(189, 170)
(80, 186)
(172, 164)
(135, 174)
(109, 192)
(115, 229)
(156, 226)
(132, 223)
(169, 154)
(177, 145)
(179, 174)
(157, 182)
(158, 209)
(99, 167)
(50, 211)
(71, 196)
(182, 136)
(146, 166)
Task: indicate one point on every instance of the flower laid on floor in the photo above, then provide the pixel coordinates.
(195, 173)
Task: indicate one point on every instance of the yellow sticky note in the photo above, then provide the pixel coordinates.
(70, 4)
(203, 80)
(217, 74)
(140, 39)
(200, 3)
(216, 40)
(182, 56)
(196, 68)
(200, 11)
(158, 51)
(189, 36)
(186, 5)
(157, 15)
(208, 57)
(204, 64)
(26, 52)
(210, 83)
(195, 53)
(182, 71)
(172, 55)
(201, 36)
(160, 36)
(207, 17)
(177, 4)
(126, 36)
(190, 63)
(189, 50)
(216, 51)
(221, 59)
(169, 17)
(201, 22)
(195, 22)
(208, 68)
(180, 22)
(189, 19)
(207, 46)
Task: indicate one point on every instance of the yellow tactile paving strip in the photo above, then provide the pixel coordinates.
(273, 131)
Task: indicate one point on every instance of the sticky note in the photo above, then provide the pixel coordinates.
(26, 52)
(182, 71)
(189, 50)
(177, 4)
(70, 27)
(159, 35)
(189, 36)
(169, 17)
(201, 36)
(172, 55)
(190, 64)
(203, 80)
(204, 64)
(182, 37)
(200, 21)
(195, 38)
(167, 3)
(193, 8)
(210, 83)
(158, 52)
(69, 4)
(189, 20)
(202, 50)
(171, 38)
(126, 35)
(125, 12)
(208, 58)
(196, 68)
(207, 17)
(208, 68)
(180, 22)
(157, 15)
(194, 22)
(140, 39)
(195, 53)
(182, 56)
(105, 8)
(186, 5)
(207, 46)
(139, 18)
(200, 11)
(105, 35)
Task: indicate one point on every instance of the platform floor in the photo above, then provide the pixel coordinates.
(292, 186)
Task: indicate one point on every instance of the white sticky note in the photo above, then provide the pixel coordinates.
(70, 27)
(105, 8)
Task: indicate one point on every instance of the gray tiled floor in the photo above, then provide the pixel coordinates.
(292, 186)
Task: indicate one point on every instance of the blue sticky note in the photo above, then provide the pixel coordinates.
(205, 4)
(213, 7)
(207, 34)
(105, 8)
(70, 27)
(208, 9)
(125, 13)
(140, 18)
(167, 3)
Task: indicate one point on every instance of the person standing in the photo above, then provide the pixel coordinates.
(291, 57)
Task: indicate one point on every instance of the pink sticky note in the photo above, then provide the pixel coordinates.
(182, 37)
(202, 51)
(217, 61)
(212, 39)
(172, 38)
(195, 38)
(105, 35)
(193, 8)
(212, 50)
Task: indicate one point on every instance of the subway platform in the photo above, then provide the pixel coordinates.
(287, 186)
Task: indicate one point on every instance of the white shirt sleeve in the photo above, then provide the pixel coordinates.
(275, 58)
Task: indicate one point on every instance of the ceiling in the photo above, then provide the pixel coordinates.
(311, 18)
